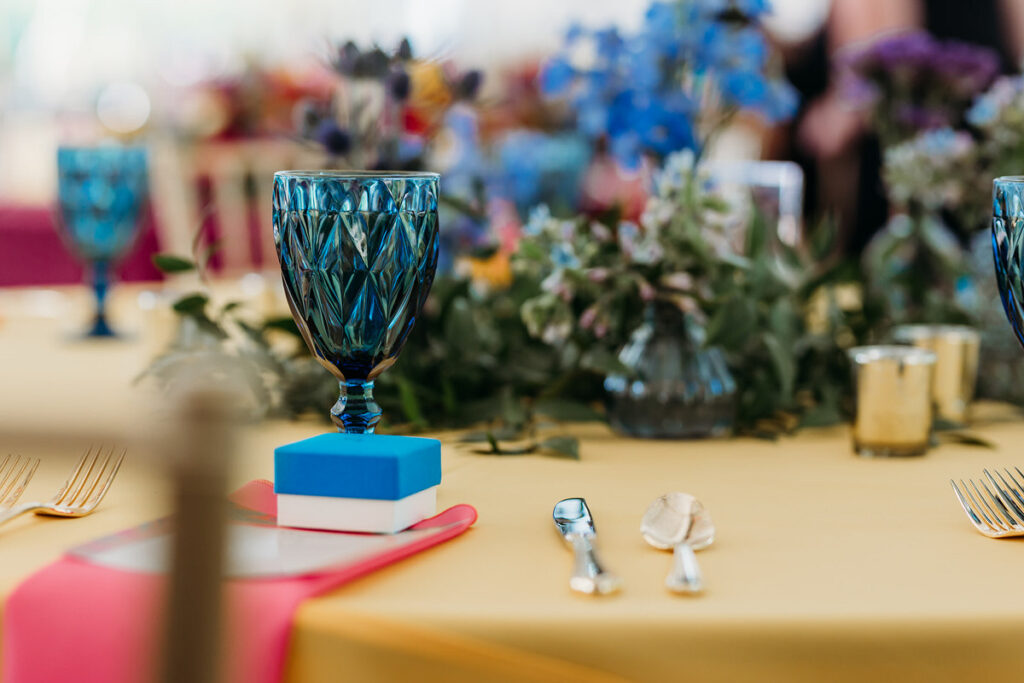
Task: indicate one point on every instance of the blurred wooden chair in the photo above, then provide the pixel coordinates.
(225, 188)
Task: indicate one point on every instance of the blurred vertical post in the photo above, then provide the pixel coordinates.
(199, 453)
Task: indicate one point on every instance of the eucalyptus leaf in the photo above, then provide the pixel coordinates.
(784, 364)
(191, 304)
(167, 263)
(561, 446)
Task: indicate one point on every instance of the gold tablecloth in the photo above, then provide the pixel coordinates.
(826, 566)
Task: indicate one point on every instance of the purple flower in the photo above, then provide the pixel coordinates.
(969, 68)
(469, 84)
(399, 84)
(335, 139)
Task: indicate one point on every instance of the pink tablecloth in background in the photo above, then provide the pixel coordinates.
(32, 253)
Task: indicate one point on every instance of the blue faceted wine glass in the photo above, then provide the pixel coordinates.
(1008, 247)
(358, 252)
(101, 192)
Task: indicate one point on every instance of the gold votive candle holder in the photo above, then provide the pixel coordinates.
(956, 348)
(893, 389)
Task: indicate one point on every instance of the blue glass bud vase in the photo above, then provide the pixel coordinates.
(675, 388)
(101, 192)
(358, 252)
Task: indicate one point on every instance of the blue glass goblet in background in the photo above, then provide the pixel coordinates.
(101, 192)
(358, 252)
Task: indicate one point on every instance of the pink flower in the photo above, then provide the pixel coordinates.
(588, 317)
(647, 292)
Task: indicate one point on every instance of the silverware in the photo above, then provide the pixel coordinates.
(679, 522)
(997, 515)
(82, 491)
(574, 522)
(15, 474)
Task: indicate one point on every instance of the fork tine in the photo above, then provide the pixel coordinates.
(1007, 504)
(19, 488)
(94, 500)
(10, 480)
(995, 522)
(971, 514)
(82, 494)
(76, 480)
(1012, 489)
(1005, 517)
(7, 475)
(1017, 486)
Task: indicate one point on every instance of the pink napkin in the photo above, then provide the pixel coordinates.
(79, 622)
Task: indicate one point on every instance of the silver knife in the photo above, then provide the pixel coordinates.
(574, 522)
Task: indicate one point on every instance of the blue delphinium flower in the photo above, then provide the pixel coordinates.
(563, 256)
(539, 168)
(632, 92)
(556, 76)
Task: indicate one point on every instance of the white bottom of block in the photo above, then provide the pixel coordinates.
(355, 514)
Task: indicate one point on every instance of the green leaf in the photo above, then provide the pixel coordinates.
(566, 410)
(462, 206)
(230, 306)
(167, 263)
(459, 329)
(965, 439)
(785, 367)
(733, 323)
(207, 253)
(603, 362)
(822, 415)
(561, 447)
(410, 403)
(191, 304)
(757, 232)
(283, 324)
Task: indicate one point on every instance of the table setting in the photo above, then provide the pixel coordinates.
(495, 416)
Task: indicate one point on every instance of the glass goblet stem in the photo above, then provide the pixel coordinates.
(356, 411)
(100, 284)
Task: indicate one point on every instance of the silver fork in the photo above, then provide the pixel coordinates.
(999, 514)
(82, 491)
(15, 474)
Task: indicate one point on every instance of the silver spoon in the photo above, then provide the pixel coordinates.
(575, 523)
(679, 522)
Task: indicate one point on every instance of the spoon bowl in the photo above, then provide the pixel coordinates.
(678, 522)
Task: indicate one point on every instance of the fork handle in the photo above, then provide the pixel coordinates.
(19, 510)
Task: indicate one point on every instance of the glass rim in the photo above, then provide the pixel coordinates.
(932, 330)
(910, 355)
(338, 174)
(101, 147)
(1009, 180)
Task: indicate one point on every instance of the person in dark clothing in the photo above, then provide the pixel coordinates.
(840, 157)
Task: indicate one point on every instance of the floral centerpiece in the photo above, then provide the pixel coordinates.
(730, 284)
(517, 349)
(911, 81)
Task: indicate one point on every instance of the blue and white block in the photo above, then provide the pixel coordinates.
(357, 482)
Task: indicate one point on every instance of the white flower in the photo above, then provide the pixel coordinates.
(539, 218)
(556, 333)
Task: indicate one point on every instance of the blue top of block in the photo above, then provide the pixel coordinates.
(375, 466)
